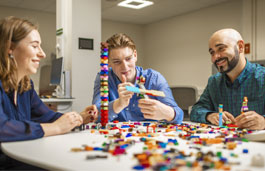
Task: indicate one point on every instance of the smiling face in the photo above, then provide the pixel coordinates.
(27, 54)
(224, 53)
(123, 62)
(224, 59)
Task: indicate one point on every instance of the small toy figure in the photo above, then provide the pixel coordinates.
(244, 107)
(220, 115)
(140, 81)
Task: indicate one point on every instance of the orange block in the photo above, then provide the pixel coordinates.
(203, 125)
(218, 164)
(142, 157)
(214, 141)
(169, 130)
(88, 148)
(231, 145)
(225, 167)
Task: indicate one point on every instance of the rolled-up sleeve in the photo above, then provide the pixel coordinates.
(161, 84)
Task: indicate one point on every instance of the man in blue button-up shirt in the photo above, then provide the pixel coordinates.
(237, 78)
(125, 105)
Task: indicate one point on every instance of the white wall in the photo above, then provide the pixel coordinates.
(178, 47)
(47, 28)
(253, 28)
(260, 37)
(136, 32)
(86, 23)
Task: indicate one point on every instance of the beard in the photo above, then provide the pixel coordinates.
(231, 64)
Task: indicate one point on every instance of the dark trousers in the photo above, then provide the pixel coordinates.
(7, 163)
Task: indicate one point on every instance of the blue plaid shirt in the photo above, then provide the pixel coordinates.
(220, 90)
(154, 81)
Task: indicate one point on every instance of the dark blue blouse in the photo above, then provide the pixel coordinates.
(22, 122)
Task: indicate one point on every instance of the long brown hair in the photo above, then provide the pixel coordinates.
(12, 30)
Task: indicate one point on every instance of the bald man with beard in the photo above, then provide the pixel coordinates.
(237, 78)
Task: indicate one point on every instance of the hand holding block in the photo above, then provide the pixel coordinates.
(148, 92)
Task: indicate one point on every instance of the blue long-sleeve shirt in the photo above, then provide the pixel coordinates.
(22, 122)
(220, 90)
(154, 81)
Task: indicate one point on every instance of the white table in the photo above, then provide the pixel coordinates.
(54, 153)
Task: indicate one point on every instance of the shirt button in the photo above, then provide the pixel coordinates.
(127, 109)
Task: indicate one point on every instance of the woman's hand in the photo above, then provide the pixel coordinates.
(62, 125)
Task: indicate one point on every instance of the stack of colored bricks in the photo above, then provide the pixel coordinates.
(104, 89)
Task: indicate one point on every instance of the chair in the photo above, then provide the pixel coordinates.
(186, 97)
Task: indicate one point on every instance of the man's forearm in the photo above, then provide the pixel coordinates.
(117, 106)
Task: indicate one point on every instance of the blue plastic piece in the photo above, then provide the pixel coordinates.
(245, 150)
(163, 145)
(139, 167)
(105, 53)
(97, 149)
(132, 89)
(129, 135)
(125, 126)
(146, 124)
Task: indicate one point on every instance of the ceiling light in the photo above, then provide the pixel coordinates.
(135, 4)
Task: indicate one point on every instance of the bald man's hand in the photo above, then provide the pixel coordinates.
(124, 96)
(250, 120)
(213, 118)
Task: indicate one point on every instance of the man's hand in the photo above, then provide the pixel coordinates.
(90, 114)
(124, 96)
(250, 120)
(213, 118)
(154, 109)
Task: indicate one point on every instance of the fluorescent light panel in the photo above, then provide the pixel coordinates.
(135, 4)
